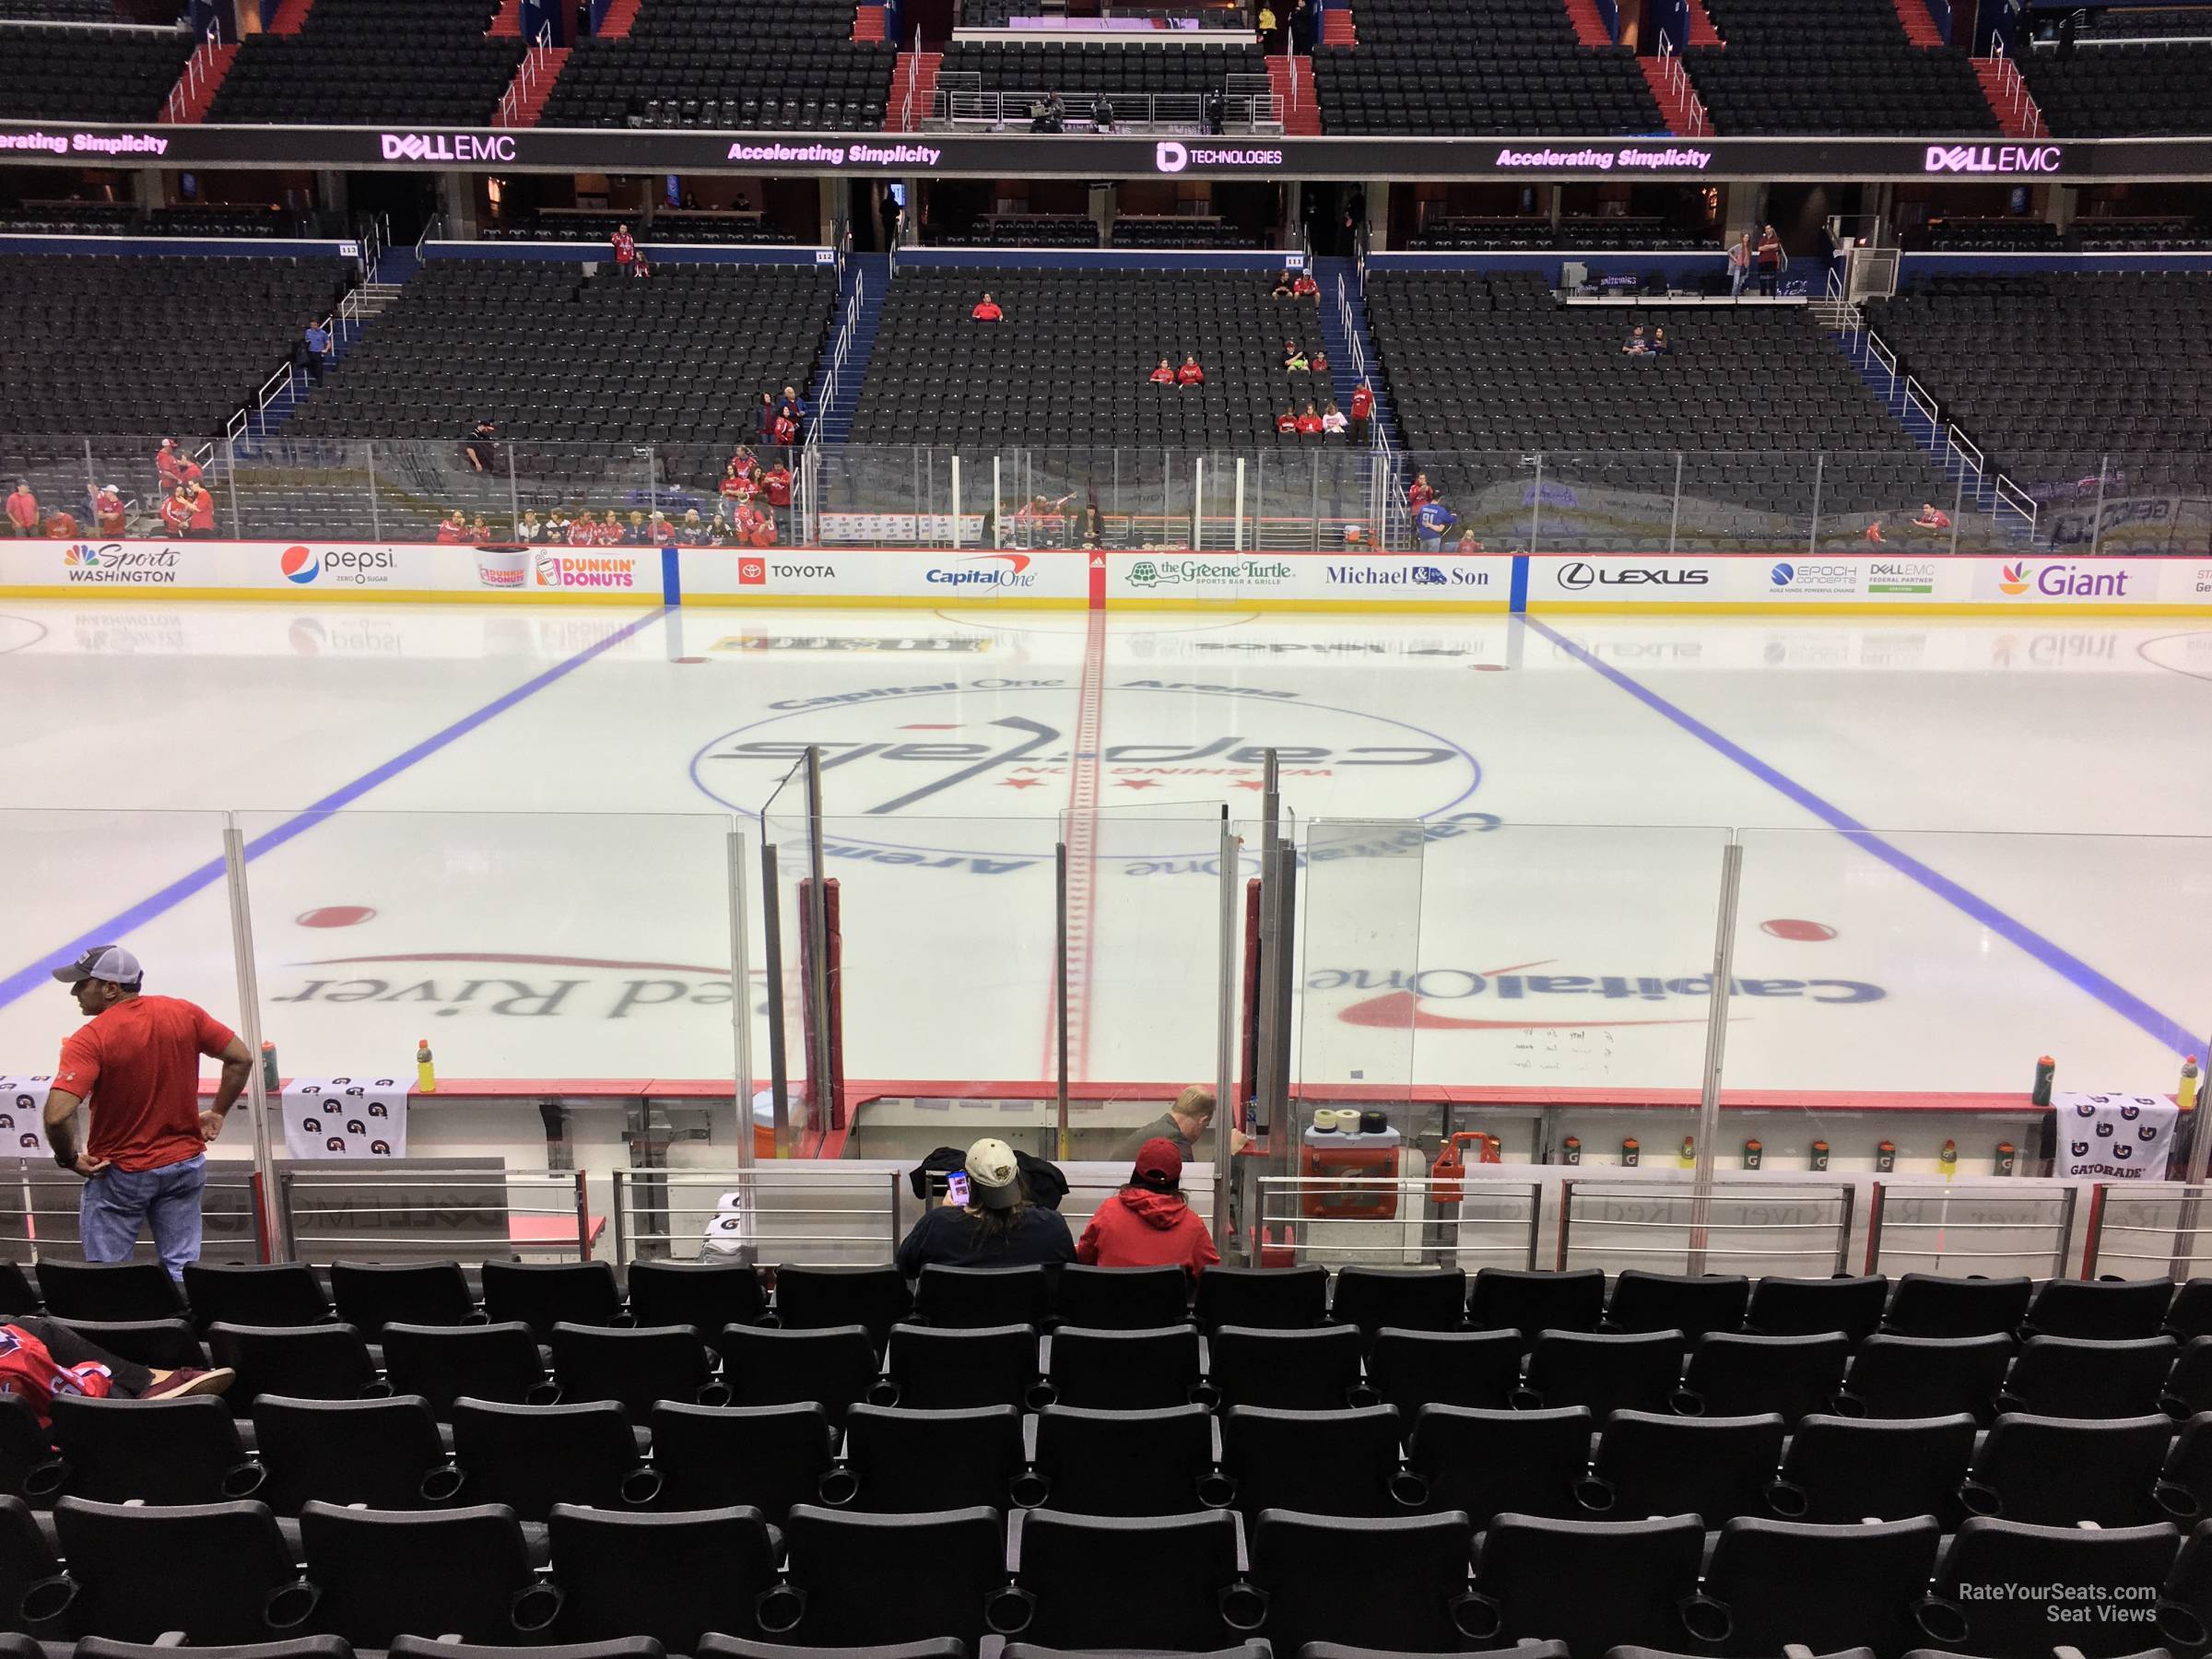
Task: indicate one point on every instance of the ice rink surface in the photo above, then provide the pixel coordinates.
(508, 831)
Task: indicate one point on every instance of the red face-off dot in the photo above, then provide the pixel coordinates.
(335, 916)
(1810, 932)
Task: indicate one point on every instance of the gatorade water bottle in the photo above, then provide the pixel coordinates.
(425, 1074)
(2185, 1096)
(268, 1065)
(1630, 1153)
(1572, 1150)
(2007, 1154)
(1754, 1155)
(1820, 1158)
(1688, 1156)
(2045, 1069)
(1885, 1158)
(1948, 1160)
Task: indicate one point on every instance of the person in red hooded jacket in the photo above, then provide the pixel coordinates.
(1148, 1223)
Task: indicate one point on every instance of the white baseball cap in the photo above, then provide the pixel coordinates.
(994, 1176)
(110, 962)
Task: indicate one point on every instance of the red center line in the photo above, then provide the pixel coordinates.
(1082, 835)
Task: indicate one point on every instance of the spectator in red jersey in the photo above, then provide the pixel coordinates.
(452, 529)
(1287, 422)
(1190, 374)
(61, 525)
(757, 527)
(1874, 532)
(1321, 361)
(659, 530)
(1419, 493)
(1932, 517)
(767, 422)
(1148, 1223)
(775, 484)
(610, 529)
(584, 532)
(22, 510)
(986, 311)
(625, 250)
(174, 465)
(481, 530)
(137, 1061)
(1164, 375)
(1304, 287)
(1363, 411)
(107, 510)
(1309, 423)
(741, 484)
(176, 514)
(786, 430)
(643, 268)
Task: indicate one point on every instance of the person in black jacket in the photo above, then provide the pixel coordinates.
(995, 1224)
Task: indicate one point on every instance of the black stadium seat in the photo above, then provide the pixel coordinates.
(900, 1462)
(107, 1289)
(444, 1364)
(833, 1367)
(1843, 1469)
(1126, 1370)
(529, 1458)
(1782, 1306)
(2120, 1566)
(635, 1367)
(344, 65)
(1730, 1374)
(982, 1295)
(1413, 1368)
(183, 1450)
(670, 1577)
(860, 1580)
(1400, 1583)
(1127, 1463)
(810, 1299)
(218, 1572)
(544, 1294)
(704, 1295)
(281, 1293)
(2065, 1376)
(930, 1369)
(1715, 1467)
(1413, 1298)
(1928, 1304)
(1122, 1299)
(1606, 1374)
(305, 1362)
(1510, 1299)
(764, 1457)
(370, 1294)
(1926, 1376)
(1693, 1305)
(1536, 1578)
(1166, 1583)
(1319, 1462)
(1492, 1462)
(1315, 1369)
(1274, 1298)
(2052, 1471)
(2099, 1310)
(1781, 1583)
(385, 1573)
(378, 1453)
(1806, 67)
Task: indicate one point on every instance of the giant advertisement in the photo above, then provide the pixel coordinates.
(947, 576)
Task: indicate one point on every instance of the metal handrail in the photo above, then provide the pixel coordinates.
(198, 69)
(2013, 87)
(526, 73)
(1677, 77)
(1881, 1223)
(1662, 1190)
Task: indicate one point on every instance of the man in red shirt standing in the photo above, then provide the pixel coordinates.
(1363, 411)
(174, 465)
(139, 1062)
(625, 250)
(22, 510)
(775, 484)
(176, 512)
(107, 509)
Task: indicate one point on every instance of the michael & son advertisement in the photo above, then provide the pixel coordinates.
(1115, 579)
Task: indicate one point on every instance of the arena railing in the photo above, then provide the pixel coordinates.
(959, 103)
(273, 483)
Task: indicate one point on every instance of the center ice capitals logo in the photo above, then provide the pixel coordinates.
(952, 758)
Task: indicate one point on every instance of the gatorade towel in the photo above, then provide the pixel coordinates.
(345, 1117)
(23, 1117)
(2113, 1137)
(28, 1371)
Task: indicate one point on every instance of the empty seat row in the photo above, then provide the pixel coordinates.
(710, 1295)
(719, 1581)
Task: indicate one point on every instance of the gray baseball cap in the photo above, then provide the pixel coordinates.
(111, 962)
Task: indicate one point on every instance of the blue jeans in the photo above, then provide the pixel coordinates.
(1739, 276)
(117, 1204)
